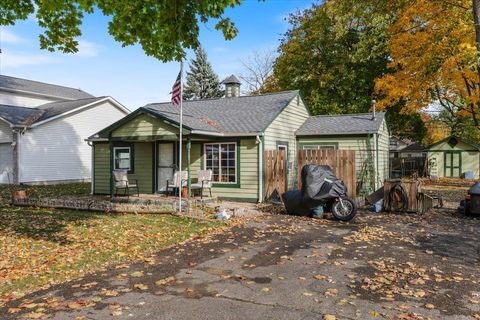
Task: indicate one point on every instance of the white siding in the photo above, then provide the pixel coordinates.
(383, 153)
(5, 132)
(56, 151)
(23, 100)
(6, 163)
(283, 129)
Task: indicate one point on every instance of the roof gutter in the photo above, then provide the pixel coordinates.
(336, 134)
(222, 134)
(96, 139)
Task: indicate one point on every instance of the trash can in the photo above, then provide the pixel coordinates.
(474, 203)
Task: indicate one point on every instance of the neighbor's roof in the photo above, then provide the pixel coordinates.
(345, 124)
(17, 115)
(245, 114)
(413, 147)
(41, 88)
(22, 116)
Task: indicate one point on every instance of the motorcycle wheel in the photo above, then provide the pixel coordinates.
(346, 211)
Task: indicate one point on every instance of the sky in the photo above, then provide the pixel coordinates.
(103, 68)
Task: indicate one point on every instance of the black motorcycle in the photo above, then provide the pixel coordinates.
(321, 192)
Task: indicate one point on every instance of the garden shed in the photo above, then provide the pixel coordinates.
(453, 157)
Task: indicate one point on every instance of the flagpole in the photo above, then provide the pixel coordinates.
(181, 138)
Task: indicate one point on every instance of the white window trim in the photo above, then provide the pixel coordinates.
(319, 147)
(220, 161)
(282, 146)
(129, 158)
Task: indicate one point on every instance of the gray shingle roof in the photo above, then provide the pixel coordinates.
(18, 115)
(413, 147)
(231, 79)
(246, 114)
(361, 123)
(42, 88)
(53, 109)
(21, 116)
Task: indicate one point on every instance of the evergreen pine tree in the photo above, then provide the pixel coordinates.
(202, 82)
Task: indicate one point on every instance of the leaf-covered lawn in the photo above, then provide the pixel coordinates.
(40, 247)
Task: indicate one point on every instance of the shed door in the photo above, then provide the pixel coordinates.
(453, 164)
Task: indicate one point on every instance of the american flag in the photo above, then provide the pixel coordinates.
(177, 90)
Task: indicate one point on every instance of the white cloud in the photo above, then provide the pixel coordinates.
(219, 49)
(7, 36)
(87, 49)
(16, 60)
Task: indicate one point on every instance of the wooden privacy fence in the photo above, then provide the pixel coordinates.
(342, 163)
(275, 168)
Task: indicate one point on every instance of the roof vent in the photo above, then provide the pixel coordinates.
(232, 86)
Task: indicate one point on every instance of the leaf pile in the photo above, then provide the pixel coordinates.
(408, 280)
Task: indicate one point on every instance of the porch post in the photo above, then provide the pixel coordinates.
(189, 147)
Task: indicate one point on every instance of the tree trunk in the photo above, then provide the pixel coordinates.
(476, 19)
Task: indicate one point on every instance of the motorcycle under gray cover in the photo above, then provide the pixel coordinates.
(319, 183)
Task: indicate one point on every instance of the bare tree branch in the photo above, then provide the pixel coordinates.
(257, 68)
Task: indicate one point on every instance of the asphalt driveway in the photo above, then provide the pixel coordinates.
(279, 267)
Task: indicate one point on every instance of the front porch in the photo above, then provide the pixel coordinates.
(147, 146)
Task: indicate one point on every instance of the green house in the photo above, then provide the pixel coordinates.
(452, 157)
(227, 135)
(365, 133)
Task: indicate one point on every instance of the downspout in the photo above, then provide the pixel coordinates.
(261, 146)
(375, 160)
(92, 167)
(16, 166)
(17, 132)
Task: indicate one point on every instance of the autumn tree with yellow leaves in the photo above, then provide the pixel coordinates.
(434, 47)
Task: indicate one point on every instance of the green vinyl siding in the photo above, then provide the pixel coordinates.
(468, 155)
(101, 173)
(146, 126)
(144, 159)
(282, 131)
(143, 167)
(383, 153)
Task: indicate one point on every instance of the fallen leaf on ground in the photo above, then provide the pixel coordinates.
(331, 292)
(164, 281)
(137, 274)
(140, 286)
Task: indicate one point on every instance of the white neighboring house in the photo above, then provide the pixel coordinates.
(43, 128)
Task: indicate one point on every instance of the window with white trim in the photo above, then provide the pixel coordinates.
(320, 146)
(122, 158)
(221, 158)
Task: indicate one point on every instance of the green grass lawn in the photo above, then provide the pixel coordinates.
(41, 247)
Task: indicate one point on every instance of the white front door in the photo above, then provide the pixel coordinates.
(165, 165)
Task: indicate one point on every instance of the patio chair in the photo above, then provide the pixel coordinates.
(179, 180)
(204, 181)
(121, 182)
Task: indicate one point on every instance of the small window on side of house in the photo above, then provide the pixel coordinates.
(122, 158)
